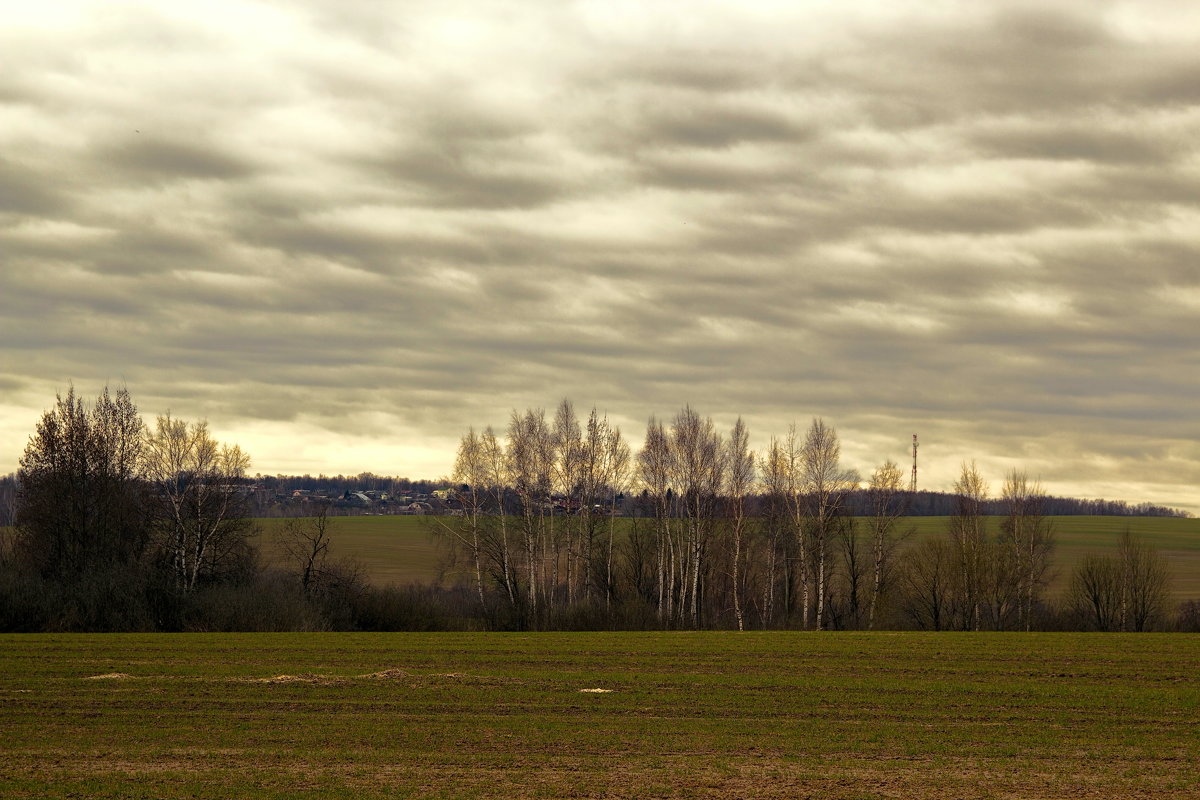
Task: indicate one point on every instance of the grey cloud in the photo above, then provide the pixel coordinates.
(150, 249)
(1074, 141)
(964, 225)
(708, 126)
(1061, 30)
(1020, 59)
(452, 180)
(24, 191)
(1178, 86)
(673, 172)
(704, 70)
(160, 158)
(1146, 190)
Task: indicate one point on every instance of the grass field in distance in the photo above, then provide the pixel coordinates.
(402, 549)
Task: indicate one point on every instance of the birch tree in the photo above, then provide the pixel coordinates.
(614, 477)
(530, 463)
(1029, 537)
(797, 508)
(740, 463)
(699, 474)
(655, 469)
(470, 471)
(774, 469)
(495, 471)
(200, 511)
(1144, 583)
(969, 541)
(824, 486)
(573, 462)
(887, 498)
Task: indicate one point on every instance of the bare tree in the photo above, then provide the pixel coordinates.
(1028, 539)
(776, 486)
(888, 505)
(495, 467)
(1125, 592)
(1144, 583)
(740, 462)
(573, 464)
(969, 539)
(655, 468)
(593, 485)
(699, 474)
(80, 505)
(846, 602)
(471, 472)
(928, 583)
(200, 511)
(798, 510)
(1095, 592)
(306, 543)
(824, 486)
(615, 477)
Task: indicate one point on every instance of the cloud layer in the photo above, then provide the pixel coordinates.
(345, 235)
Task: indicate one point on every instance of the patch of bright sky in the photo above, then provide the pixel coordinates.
(645, 217)
(991, 177)
(234, 282)
(1150, 21)
(1186, 296)
(60, 231)
(892, 316)
(1032, 303)
(447, 277)
(305, 447)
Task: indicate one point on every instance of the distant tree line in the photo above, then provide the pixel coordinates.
(123, 526)
(942, 504)
(923, 503)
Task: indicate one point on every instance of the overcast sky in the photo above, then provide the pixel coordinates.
(344, 232)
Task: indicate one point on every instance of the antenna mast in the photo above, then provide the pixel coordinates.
(912, 486)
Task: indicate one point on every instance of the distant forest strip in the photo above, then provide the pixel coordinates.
(301, 495)
(123, 526)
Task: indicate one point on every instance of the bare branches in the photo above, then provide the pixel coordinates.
(888, 503)
(199, 513)
(823, 485)
(1026, 546)
(1125, 592)
(740, 463)
(969, 540)
(306, 543)
(80, 504)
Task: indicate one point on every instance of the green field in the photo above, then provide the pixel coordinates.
(755, 715)
(402, 549)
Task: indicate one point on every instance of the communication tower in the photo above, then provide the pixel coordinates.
(912, 486)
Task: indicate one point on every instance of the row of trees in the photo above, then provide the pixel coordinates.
(124, 526)
(725, 537)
